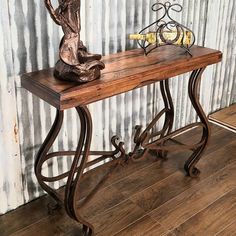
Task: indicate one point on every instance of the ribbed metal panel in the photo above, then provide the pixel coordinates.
(30, 42)
(10, 165)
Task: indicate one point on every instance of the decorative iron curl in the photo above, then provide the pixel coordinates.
(167, 24)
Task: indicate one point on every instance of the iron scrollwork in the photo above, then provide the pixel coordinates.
(163, 141)
(166, 30)
(78, 168)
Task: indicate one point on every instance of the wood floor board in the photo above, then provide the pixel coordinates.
(149, 176)
(24, 216)
(154, 231)
(212, 219)
(116, 218)
(143, 226)
(91, 179)
(112, 195)
(56, 225)
(153, 197)
(105, 199)
(163, 191)
(228, 230)
(219, 139)
(184, 206)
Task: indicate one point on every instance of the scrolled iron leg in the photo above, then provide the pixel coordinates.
(42, 157)
(79, 163)
(75, 175)
(193, 89)
(76, 170)
(140, 138)
(169, 115)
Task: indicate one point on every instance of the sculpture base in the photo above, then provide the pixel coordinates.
(81, 73)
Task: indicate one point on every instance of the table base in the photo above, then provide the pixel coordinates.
(145, 141)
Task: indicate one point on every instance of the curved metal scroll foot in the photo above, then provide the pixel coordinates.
(119, 149)
(194, 87)
(53, 207)
(192, 172)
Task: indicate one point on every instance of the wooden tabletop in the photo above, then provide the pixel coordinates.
(124, 71)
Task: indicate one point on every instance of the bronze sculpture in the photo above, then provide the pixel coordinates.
(75, 63)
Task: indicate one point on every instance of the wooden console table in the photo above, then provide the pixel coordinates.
(124, 72)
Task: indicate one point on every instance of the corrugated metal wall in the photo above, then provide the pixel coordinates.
(29, 41)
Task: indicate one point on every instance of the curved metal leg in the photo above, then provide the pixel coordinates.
(140, 138)
(77, 168)
(169, 115)
(76, 172)
(80, 162)
(42, 155)
(147, 140)
(194, 86)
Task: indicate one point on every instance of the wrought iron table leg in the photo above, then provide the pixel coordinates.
(74, 178)
(77, 168)
(42, 155)
(146, 139)
(79, 163)
(169, 115)
(193, 89)
(75, 173)
(149, 133)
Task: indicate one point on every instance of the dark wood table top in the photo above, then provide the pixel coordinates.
(124, 71)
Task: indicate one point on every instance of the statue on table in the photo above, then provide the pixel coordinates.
(75, 63)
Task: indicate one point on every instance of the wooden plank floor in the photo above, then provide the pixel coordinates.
(225, 117)
(150, 197)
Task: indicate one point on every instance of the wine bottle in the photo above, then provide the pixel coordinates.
(152, 37)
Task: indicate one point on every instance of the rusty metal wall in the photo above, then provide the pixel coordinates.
(29, 41)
